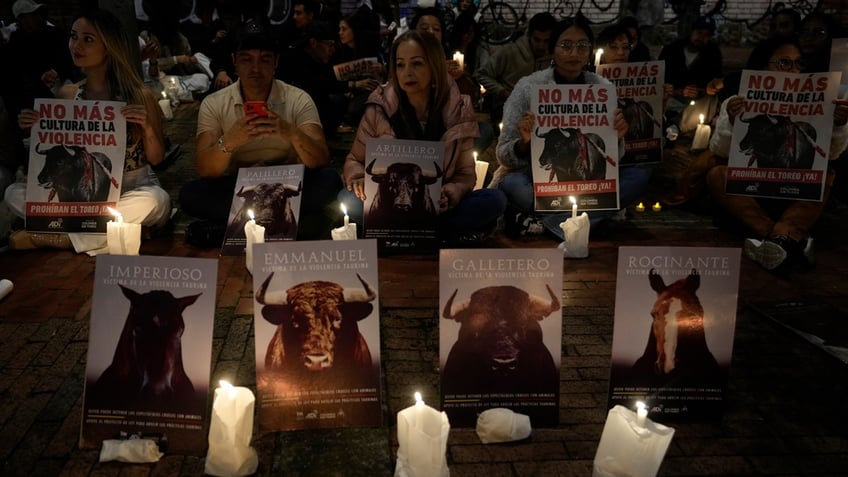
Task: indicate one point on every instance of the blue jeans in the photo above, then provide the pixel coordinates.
(476, 212)
(518, 188)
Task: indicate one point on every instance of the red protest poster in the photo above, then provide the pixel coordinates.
(639, 89)
(574, 148)
(149, 351)
(76, 163)
(675, 317)
(781, 141)
(317, 328)
(500, 333)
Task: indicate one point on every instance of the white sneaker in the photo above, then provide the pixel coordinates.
(769, 255)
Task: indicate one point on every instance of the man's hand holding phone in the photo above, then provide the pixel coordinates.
(259, 108)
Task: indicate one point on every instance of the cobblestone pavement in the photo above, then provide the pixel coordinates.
(785, 404)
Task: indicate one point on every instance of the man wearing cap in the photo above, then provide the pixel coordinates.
(692, 62)
(228, 139)
(38, 58)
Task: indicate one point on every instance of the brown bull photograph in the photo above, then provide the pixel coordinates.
(317, 335)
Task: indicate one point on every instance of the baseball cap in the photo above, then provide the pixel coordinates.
(22, 7)
(256, 35)
(705, 22)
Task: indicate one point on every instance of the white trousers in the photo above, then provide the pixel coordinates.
(142, 201)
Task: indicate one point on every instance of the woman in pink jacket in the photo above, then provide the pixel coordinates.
(422, 102)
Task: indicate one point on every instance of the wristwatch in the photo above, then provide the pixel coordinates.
(222, 147)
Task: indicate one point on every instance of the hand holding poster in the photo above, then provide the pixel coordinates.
(76, 163)
(781, 141)
(574, 147)
(639, 88)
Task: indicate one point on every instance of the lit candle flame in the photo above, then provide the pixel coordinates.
(164, 96)
(344, 209)
(419, 401)
(701, 118)
(641, 405)
(475, 155)
(572, 199)
(118, 216)
(692, 103)
(250, 214)
(226, 386)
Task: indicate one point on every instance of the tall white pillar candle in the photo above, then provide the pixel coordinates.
(122, 238)
(230, 432)
(253, 234)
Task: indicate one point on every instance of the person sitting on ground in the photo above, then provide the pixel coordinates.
(781, 227)
(357, 40)
(431, 21)
(220, 46)
(691, 63)
(816, 39)
(616, 42)
(421, 102)
(314, 74)
(515, 61)
(785, 22)
(638, 50)
(571, 47)
(101, 47)
(227, 139)
(38, 63)
(165, 48)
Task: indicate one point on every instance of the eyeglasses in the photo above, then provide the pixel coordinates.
(815, 32)
(568, 46)
(786, 64)
(625, 47)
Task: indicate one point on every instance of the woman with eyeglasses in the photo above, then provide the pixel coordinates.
(615, 41)
(781, 227)
(571, 47)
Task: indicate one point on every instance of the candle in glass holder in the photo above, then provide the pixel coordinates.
(253, 234)
(640, 207)
(346, 231)
(122, 238)
(656, 207)
(230, 432)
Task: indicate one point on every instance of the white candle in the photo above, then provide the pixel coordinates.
(253, 234)
(346, 231)
(702, 135)
(641, 413)
(629, 449)
(576, 233)
(598, 53)
(459, 58)
(573, 206)
(422, 441)
(165, 106)
(6, 287)
(480, 168)
(230, 432)
(122, 238)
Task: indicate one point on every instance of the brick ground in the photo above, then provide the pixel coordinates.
(785, 403)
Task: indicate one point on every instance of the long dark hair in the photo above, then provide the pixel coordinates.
(405, 123)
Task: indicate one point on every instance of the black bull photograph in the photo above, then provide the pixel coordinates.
(778, 142)
(317, 345)
(73, 174)
(403, 199)
(499, 352)
(271, 204)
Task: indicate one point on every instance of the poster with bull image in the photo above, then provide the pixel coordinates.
(149, 351)
(76, 164)
(675, 317)
(403, 181)
(500, 333)
(574, 148)
(317, 328)
(781, 141)
(272, 194)
(639, 89)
